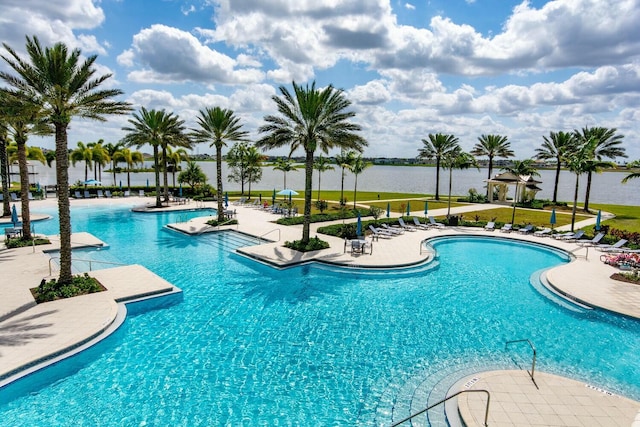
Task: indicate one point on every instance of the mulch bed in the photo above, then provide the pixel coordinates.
(622, 278)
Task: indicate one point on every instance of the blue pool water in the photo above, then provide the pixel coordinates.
(252, 345)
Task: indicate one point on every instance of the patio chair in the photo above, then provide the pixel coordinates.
(406, 226)
(593, 242)
(563, 236)
(87, 195)
(14, 197)
(612, 248)
(433, 223)
(77, 194)
(31, 196)
(107, 193)
(100, 193)
(542, 233)
(418, 224)
(240, 201)
(526, 229)
(127, 193)
(507, 228)
(379, 232)
(141, 193)
(491, 226)
(1, 197)
(396, 230)
(578, 235)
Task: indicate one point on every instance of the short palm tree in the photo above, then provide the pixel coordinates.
(321, 164)
(492, 146)
(436, 147)
(4, 166)
(456, 159)
(100, 157)
(83, 153)
(174, 159)
(520, 168)
(253, 160)
(358, 166)
(284, 164)
(557, 146)
(55, 81)
(632, 175)
(311, 119)
(607, 146)
(344, 160)
(178, 138)
(152, 127)
(218, 126)
(112, 149)
(131, 158)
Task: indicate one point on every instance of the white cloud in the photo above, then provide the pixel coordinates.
(409, 6)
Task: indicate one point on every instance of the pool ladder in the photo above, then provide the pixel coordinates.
(486, 412)
(533, 363)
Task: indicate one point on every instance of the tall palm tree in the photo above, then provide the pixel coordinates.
(178, 138)
(284, 164)
(83, 153)
(218, 126)
(345, 161)
(520, 168)
(557, 146)
(456, 159)
(311, 119)
(607, 146)
(100, 157)
(253, 159)
(54, 79)
(131, 158)
(153, 127)
(632, 175)
(321, 164)
(4, 165)
(436, 147)
(174, 158)
(358, 166)
(492, 146)
(112, 149)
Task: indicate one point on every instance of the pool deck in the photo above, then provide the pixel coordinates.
(32, 333)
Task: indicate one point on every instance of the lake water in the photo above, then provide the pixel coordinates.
(606, 187)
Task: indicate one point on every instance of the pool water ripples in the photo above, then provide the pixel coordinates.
(250, 344)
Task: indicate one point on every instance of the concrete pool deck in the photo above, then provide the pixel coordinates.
(32, 333)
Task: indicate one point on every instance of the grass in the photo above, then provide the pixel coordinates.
(539, 218)
(627, 217)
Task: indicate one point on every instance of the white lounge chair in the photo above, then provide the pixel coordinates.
(526, 229)
(100, 193)
(141, 193)
(418, 224)
(433, 223)
(612, 248)
(108, 193)
(563, 236)
(378, 232)
(542, 233)
(596, 239)
(77, 195)
(405, 226)
(577, 235)
(127, 193)
(507, 228)
(491, 226)
(385, 226)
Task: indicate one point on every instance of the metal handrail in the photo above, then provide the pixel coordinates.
(260, 237)
(486, 413)
(427, 244)
(227, 222)
(533, 363)
(90, 261)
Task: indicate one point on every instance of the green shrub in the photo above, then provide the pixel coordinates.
(296, 220)
(19, 242)
(80, 285)
(214, 222)
(314, 244)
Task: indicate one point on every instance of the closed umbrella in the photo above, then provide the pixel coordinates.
(226, 199)
(180, 191)
(426, 208)
(273, 197)
(14, 216)
(408, 208)
(147, 182)
(388, 209)
(120, 185)
(359, 226)
(552, 220)
(598, 220)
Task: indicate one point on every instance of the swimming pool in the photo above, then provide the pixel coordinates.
(250, 344)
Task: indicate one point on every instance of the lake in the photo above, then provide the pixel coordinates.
(606, 186)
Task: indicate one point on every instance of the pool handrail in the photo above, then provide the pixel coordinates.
(90, 261)
(533, 363)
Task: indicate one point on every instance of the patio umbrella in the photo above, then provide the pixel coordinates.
(260, 197)
(180, 191)
(92, 182)
(552, 220)
(147, 182)
(38, 186)
(226, 199)
(14, 216)
(426, 208)
(388, 209)
(408, 208)
(120, 185)
(287, 192)
(273, 197)
(598, 220)
(359, 225)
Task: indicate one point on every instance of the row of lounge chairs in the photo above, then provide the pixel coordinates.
(100, 194)
(386, 231)
(15, 197)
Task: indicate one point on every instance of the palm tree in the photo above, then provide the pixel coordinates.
(321, 164)
(345, 161)
(520, 168)
(55, 81)
(218, 126)
(83, 153)
(607, 146)
(358, 166)
(456, 159)
(177, 138)
(4, 166)
(253, 160)
(557, 146)
(284, 164)
(112, 149)
(436, 147)
(492, 146)
(632, 175)
(100, 157)
(174, 158)
(131, 158)
(192, 175)
(155, 128)
(311, 119)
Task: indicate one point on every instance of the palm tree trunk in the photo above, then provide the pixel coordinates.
(157, 175)
(450, 184)
(24, 188)
(489, 173)
(342, 189)
(129, 178)
(113, 165)
(308, 182)
(355, 192)
(575, 202)
(515, 202)
(165, 175)
(555, 186)
(586, 196)
(4, 171)
(64, 213)
(438, 178)
(319, 175)
(219, 180)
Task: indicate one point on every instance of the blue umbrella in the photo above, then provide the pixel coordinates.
(120, 185)
(180, 191)
(426, 208)
(598, 220)
(408, 208)
(552, 220)
(226, 199)
(273, 197)
(359, 225)
(14, 216)
(388, 209)
(38, 186)
(147, 182)
(92, 182)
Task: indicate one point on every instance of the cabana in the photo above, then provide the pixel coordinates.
(526, 186)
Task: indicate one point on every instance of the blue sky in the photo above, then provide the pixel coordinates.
(410, 68)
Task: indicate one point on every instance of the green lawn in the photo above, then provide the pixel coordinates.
(627, 217)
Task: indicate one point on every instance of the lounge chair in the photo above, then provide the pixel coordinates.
(1, 197)
(14, 197)
(87, 195)
(77, 195)
(141, 193)
(507, 228)
(405, 226)
(108, 193)
(433, 223)
(578, 235)
(100, 193)
(240, 201)
(379, 232)
(593, 242)
(562, 236)
(542, 233)
(127, 193)
(491, 226)
(612, 248)
(526, 229)
(393, 230)
(31, 196)
(418, 224)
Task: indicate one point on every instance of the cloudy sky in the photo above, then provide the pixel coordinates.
(410, 68)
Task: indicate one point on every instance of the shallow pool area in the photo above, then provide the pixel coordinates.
(250, 344)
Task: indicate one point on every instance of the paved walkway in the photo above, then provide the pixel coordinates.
(34, 333)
